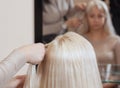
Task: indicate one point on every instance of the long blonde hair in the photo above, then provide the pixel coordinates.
(69, 62)
(108, 26)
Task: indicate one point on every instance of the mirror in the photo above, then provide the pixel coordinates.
(38, 17)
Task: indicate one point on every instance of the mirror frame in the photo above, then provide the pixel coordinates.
(37, 21)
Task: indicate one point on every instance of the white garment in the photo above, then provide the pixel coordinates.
(32, 53)
(10, 66)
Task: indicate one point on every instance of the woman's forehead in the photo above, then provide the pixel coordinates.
(96, 9)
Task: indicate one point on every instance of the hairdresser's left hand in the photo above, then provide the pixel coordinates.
(80, 6)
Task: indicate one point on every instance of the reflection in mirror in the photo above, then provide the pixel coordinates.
(54, 19)
(105, 44)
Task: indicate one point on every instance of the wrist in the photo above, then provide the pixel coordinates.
(64, 26)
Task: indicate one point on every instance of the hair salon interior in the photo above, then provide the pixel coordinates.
(21, 23)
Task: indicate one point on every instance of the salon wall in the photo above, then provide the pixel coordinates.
(16, 26)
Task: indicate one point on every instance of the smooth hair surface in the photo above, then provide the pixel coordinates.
(101, 5)
(69, 62)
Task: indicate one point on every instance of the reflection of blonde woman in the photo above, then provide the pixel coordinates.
(98, 29)
(69, 62)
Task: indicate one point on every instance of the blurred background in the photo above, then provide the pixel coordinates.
(16, 26)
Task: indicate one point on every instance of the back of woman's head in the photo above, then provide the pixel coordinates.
(69, 62)
(101, 5)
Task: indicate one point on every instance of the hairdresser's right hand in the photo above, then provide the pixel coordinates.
(81, 6)
(73, 22)
(33, 53)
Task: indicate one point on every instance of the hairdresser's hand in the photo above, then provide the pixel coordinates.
(109, 85)
(73, 22)
(33, 53)
(80, 6)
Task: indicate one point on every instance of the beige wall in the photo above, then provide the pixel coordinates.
(16, 25)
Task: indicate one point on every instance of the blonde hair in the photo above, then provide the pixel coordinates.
(69, 62)
(108, 26)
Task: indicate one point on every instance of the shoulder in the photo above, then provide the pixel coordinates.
(86, 35)
(115, 39)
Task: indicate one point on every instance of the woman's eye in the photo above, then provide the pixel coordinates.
(100, 16)
(91, 16)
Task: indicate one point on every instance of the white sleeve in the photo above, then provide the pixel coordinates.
(10, 65)
(71, 4)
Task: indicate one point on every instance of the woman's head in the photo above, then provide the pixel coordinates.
(98, 17)
(69, 62)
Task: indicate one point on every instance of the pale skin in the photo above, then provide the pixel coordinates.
(96, 20)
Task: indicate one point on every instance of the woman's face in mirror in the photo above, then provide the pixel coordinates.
(96, 18)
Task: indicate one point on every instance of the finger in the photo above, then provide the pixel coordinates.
(83, 7)
(77, 25)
